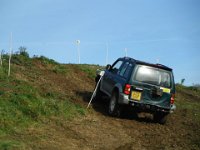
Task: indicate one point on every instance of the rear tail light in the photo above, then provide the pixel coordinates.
(127, 89)
(172, 99)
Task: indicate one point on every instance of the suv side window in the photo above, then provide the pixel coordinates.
(124, 68)
(116, 67)
(128, 70)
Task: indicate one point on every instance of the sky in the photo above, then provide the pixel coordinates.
(164, 31)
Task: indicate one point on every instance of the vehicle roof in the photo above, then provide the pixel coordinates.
(161, 66)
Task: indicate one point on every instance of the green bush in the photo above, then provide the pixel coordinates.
(21, 60)
(46, 60)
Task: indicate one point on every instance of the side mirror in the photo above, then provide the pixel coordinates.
(108, 67)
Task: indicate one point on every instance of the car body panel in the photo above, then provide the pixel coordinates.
(152, 96)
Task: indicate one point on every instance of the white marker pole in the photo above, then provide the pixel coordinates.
(0, 59)
(10, 54)
(106, 53)
(157, 60)
(125, 52)
(78, 50)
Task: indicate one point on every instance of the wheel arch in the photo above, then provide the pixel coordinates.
(117, 88)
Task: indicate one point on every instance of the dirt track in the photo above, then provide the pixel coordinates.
(97, 130)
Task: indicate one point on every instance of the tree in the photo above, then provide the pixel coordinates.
(182, 81)
(23, 51)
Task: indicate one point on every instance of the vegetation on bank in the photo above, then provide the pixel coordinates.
(35, 96)
(188, 99)
(23, 104)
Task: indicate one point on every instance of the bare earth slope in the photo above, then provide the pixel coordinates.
(97, 130)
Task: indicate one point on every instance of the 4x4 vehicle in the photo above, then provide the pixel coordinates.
(145, 86)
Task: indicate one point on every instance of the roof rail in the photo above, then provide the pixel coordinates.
(161, 65)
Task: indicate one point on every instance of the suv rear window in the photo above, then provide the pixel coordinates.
(153, 76)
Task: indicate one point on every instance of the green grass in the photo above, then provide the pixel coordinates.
(22, 104)
(60, 69)
(46, 60)
(193, 109)
(189, 100)
(90, 70)
(10, 145)
(195, 91)
(21, 60)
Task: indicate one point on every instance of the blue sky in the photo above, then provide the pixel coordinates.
(164, 30)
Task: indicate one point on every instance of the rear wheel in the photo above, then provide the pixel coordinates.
(160, 117)
(114, 108)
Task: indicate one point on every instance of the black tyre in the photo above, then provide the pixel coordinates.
(160, 117)
(114, 108)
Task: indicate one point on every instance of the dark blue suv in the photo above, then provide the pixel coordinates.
(144, 86)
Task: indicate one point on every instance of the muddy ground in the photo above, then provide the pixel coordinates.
(97, 130)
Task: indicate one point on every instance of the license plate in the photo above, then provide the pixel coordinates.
(136, 95)
(165, 90)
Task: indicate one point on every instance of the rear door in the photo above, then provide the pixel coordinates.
(152, 86)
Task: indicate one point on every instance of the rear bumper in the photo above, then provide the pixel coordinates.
(124, 100)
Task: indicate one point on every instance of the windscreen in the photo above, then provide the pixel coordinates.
(153, 76)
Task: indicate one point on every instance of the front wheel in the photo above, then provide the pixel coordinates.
(114, 108)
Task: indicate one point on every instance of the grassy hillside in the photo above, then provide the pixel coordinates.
(41, 99)
(187, 116)
(39, 92)
(188, 101)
